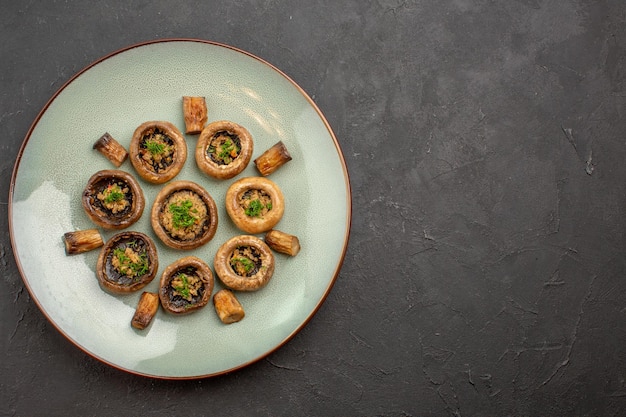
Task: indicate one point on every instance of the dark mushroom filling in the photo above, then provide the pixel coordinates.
(185, 288)
(255, 203)
(245, 261)
(184, 215)
(112, 196)
(127, 262)
(157, 150)
(224, 148)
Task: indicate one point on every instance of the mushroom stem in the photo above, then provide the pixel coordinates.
(195, 114)
(283, 242)
(111, 149)
(147, 308)
(272, 159)
(82, 241)
(228, 307)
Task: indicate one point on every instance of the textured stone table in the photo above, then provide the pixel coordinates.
(486, 271)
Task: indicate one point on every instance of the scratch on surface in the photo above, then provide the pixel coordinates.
(562, 364)
(17, 294)
(469, 378)
(513, 253)
(453, 408)
(400, 5)
(521, 307)
(360, 340)
(570, 137)
(423, 250)
(544, 347)
(555, 280)
(9, 114)
(589, 165)
(456, 168)
(17, 325)
(289, 368)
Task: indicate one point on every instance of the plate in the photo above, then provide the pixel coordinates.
(116, 94)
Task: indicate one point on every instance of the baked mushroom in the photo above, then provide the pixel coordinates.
(158, 151)
(127, 262)
(184, 215)
(224, 149)
(255, 204)
(113, 199)
(186, 285)
(244, 263)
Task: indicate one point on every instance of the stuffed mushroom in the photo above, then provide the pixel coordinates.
(113, 199)
(186, 285)
(127, 262)
(224, 149)
(184, 215)
(255, 204)
(244, 263)
(158, 151)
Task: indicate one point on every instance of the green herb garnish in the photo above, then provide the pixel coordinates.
(227, 147)
(183, 289)
(112, 194)
(225, 151)
(245, 263)
(181, 214)
(136, 268)
(154, 147)
(254, 208)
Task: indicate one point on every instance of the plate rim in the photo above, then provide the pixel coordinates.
(107, 56)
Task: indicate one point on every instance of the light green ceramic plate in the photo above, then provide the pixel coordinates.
(116, 94)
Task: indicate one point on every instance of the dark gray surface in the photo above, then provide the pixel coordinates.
(485, 143)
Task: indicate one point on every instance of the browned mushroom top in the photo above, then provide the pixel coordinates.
(127, 262)
(224, 149)
(113, 199)
(157, 151)
(255, 204)
(186, 285)
(184, 215)
(244, 263)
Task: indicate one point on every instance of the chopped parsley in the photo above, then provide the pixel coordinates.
(183, 289)
(255, 208)
(225, 151)
(182, 214)
(113, 193)
(127, 266)
(243, 262)
(155, 147)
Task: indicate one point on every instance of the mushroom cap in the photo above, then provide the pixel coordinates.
(210, 224)
(230, 278)
(144, 170)
(112, 280)
(180, 306)
(248, 224)
(226, 171)
(103, 217)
